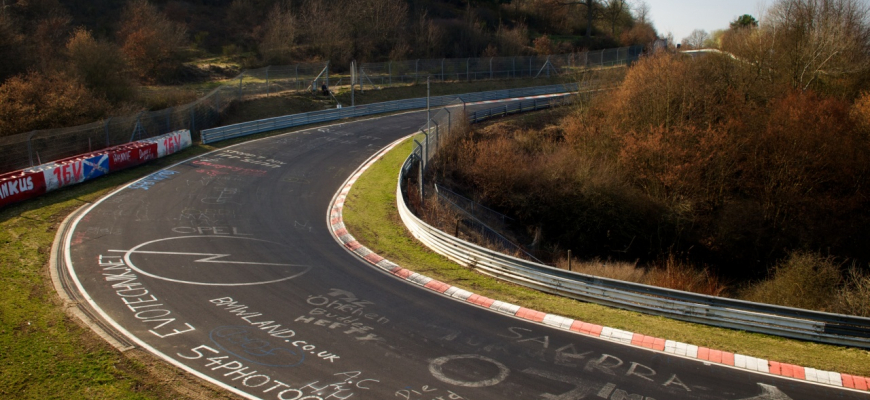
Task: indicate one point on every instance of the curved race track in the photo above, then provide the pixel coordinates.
(224, 266)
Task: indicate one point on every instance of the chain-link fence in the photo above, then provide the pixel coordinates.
(472, 69)
(38, 147)
(42, 146)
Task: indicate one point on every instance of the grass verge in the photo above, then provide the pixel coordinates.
(371, 216)
(47, 354)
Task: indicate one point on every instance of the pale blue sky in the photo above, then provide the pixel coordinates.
(681, 17)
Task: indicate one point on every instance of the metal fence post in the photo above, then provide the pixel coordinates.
(267, 80)
(352, 83)
(106, 128)
(449, 122)
(30, 147)
(548, 65)
(241, 76)
(327, 75)
(442, 70)
(390, 70)
(296, 78)
(193, 118)
(513, 67)
(468, 69)
(425, 152)
(436, 135)
(417, 71)
(420, 181)
(490, 67)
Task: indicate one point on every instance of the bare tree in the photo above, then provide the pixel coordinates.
(592, 9)
(813, 38)
(279, 35)
(696, 39)
(641, 11)
(376, 25)
(615, 13)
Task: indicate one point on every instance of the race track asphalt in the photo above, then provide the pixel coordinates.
(224, 265)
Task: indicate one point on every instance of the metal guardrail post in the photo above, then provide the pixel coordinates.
(267, 80)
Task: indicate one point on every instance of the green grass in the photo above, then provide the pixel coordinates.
(371, 216)
(45, 354)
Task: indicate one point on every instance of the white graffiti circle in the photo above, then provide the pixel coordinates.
(435, 368)
(212, 258)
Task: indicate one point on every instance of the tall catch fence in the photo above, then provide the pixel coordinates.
(33, 148)
(391, 73)
(38, 147)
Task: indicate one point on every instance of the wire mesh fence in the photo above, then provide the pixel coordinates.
(472, 69)
(33, 148)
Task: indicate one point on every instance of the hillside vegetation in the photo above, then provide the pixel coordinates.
(64, 63)
(742, 173)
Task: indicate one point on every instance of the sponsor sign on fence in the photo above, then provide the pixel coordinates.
(20, 185)
(25, 184)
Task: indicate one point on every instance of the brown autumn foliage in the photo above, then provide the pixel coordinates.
(100, 66)
(687, 161)
(39, 101)
(151, 42)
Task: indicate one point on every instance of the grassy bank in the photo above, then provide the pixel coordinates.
(371, 216)
(45, 353)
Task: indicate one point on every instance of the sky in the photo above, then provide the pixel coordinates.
(681, 17)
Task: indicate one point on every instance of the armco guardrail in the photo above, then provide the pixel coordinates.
(270, 124)
(717, 311)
